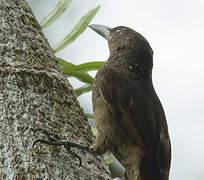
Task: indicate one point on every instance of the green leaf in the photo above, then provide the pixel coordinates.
(83, 89)
(55, 13)
(109, 158)
(78, 29)
(91, 116)
(94, 131)
(90, 66)
(64, 63)
(84, 77)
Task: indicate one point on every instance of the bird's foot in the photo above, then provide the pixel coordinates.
(54, 140)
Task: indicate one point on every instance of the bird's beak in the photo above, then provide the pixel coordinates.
(104, 31)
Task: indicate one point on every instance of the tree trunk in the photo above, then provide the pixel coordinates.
(34, 93)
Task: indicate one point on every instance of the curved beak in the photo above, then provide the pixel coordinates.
(104, 31)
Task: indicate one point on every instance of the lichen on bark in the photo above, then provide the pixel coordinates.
(35, 93)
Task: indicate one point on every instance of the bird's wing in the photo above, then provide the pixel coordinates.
(135, 106)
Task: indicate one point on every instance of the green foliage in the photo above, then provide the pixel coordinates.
(55, 13)
(71, 70)
(77, 30)
(89, 115)
(109, 158)
(90, 66)
(83, 89)
(81, 73)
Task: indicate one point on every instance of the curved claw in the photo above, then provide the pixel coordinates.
(36, 141)
(39, 129)
(74, 155)
(54, 143)
(59, 144)
(48, 134)
(79, 158)
(53, 139)
(40, 141)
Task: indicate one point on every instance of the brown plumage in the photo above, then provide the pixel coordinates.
(129, 116)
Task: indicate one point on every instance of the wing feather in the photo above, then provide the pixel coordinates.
(133, 104)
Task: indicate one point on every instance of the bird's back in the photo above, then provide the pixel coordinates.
(133, 119)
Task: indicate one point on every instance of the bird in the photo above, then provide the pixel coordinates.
(128, 114)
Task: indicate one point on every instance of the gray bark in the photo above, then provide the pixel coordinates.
(34, 93)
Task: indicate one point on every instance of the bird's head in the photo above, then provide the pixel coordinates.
(123, 37)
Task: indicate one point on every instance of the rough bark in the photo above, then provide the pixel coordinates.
(34, 93)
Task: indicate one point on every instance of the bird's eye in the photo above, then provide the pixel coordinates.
(118, 31)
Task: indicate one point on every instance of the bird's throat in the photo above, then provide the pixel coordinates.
(129, 59)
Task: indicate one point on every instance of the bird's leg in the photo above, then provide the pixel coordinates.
(54, 140)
